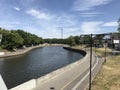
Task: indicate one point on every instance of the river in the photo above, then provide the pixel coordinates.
(34, 64)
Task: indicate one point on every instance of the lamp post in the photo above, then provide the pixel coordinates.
(90, 69)
(105, 48)
(81, 40)
(106, 38)
(90, 60)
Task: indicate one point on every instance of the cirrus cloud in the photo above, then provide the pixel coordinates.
(83, 5)
(111, 24)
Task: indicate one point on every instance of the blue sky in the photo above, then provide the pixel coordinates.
(45, 18)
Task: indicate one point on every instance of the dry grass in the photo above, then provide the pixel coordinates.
(101, 51)
(79, 47)
(109, 76)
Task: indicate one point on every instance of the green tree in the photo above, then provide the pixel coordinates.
(71, 41)
(11, 40)
(86, 39)
(30, 39)
(77, 40)
(17, 38)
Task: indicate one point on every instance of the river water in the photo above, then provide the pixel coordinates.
(34, 64)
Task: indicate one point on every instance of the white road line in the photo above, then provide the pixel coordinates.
(81, 61)
(75, 87)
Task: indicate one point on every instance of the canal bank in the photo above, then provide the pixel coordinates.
(34, 64)
(76, 50)
(25, 50)
(71, 77)
(35, 82)
(20, 51)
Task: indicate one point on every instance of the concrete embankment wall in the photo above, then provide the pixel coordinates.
(21, 51)
(76, 50)
(26, 86)
(35, 82)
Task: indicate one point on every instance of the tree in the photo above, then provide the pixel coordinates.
(77, 40)
(71, 41)
(30, 39)
(86, 39)
(11, 40)
(17, 38)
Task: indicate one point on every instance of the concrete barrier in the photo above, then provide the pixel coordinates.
(25, 86)
(2, 84)
(76, 50)
(2, 53)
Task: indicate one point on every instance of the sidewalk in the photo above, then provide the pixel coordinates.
(67, 77)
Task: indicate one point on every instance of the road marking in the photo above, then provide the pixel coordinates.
(72, 80)
(81, 61)
(75, 87)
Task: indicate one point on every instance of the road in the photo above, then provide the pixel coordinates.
(75, 78)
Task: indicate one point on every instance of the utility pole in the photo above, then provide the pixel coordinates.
(62, 33)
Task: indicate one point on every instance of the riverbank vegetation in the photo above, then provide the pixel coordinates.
(12, 39)
(17, 39)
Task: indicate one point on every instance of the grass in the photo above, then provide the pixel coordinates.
(101, 51)
(109, 76)
(3, 50)
(79, 47)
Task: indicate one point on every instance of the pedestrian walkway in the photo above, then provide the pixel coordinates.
(68, 78)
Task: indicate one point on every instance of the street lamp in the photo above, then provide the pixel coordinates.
(91, 44)
(81, 40)
(105, 48)
(90, 60)
(92, 36)
(106, 37)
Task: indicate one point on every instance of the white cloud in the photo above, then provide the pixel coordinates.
(91, 27)
(38, 14)
(69, 23)
(65, 20)
(110, 24)
(17, 8)
(50, 28)
(82, 5)
(89, 14)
